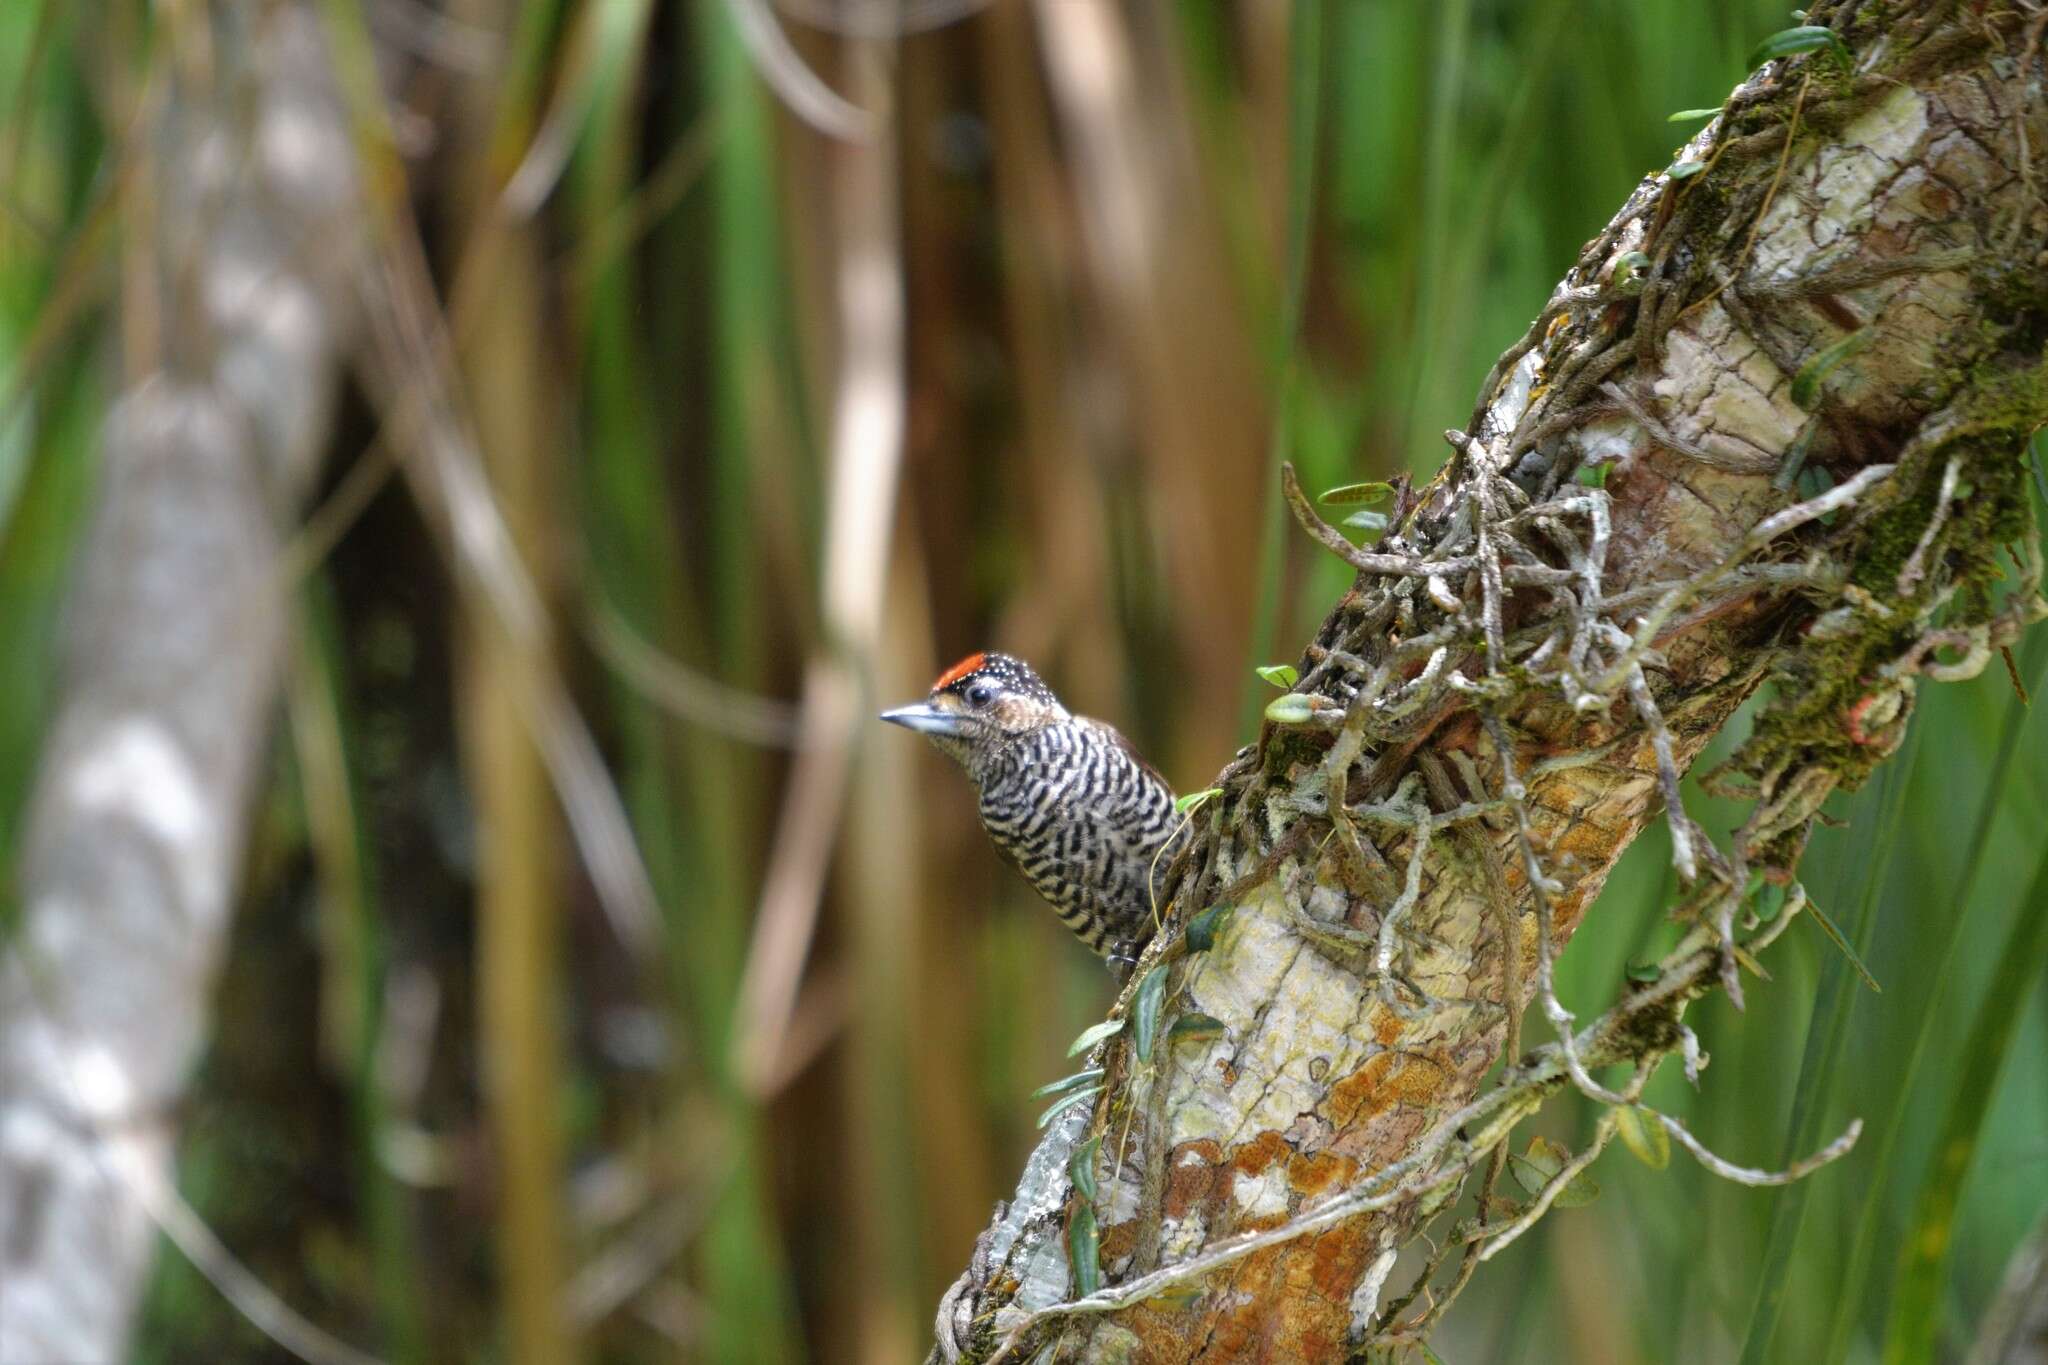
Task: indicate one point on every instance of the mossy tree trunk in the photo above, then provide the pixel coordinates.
(1770, 428)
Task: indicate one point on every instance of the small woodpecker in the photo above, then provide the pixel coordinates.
(1066, 799)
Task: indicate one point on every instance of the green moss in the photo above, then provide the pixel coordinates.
(1828, 688)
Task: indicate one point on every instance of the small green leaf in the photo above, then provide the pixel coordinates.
(1828, 927)
(1643, 973)
(1145, 1011)
(1812, 482)
(1793, 41)
(1178, 1297)
(1359, 494)
(1282, 676)
(1368, 521)
(1081, 1167)
(1534, 1171)
(1083, 1254)
(1795, 457)
(1063, 1105)
(1094, 1034)
(1066, 1083)
(1693, 115)
(1579, 1191)
(1684, 170)
(1806, 384)
(1640, 1132)
(1203, 928)
(1183, 804)
(1195, 1027)
(1292, 709)
(1543, 1163)
(1769, 900)
(1594, 475)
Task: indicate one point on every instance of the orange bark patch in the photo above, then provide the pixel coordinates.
(1417, 1081)
(1359, 1096)
(1587, 842)
(1118, 1241)
(1284, 1304)
(1236, 1331)
(1333, 1267)
(1386, 1079)
(1191, 1184)
(1256, 1156)
(1310, 1176)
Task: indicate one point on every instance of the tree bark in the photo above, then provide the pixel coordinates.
(233, 324)
(1770, 426)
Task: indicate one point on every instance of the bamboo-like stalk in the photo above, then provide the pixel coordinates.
(519, 905)
(501, 350)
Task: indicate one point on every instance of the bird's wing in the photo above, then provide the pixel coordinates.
(1117, 737)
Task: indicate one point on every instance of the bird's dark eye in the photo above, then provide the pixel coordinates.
(981, 694)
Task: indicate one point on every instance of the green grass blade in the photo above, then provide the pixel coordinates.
(1847, 949)
(1849, 1305)
(1918, 1289)
(1827, 1037)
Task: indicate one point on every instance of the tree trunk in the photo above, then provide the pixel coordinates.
(1771, 426)
(232, 325)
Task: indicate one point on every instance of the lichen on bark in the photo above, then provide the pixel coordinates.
(1769, 429)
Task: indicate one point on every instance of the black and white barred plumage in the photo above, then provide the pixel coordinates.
(1065, 799)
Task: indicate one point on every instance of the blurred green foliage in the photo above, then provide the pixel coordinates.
(1362, 204)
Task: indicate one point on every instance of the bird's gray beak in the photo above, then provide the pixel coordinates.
(924, 718)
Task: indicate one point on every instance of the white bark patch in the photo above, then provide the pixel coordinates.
(1027, 1238)
(136, 771)
(1045, 1277)
(1264, 1195)
(1830, 190)
(1365, 1300)
(1182, 1237)
(1120, 1200)
(1282, 1003)
(1614, 441)
(1513, 399)
(1717, 381)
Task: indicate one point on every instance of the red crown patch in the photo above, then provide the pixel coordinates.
(959, 670)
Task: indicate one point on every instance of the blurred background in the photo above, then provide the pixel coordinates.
(809, 349)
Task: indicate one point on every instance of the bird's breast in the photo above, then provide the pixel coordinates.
(1086, 822)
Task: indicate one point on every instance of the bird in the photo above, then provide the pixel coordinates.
(1066, 800)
